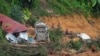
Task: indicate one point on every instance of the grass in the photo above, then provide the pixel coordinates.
(55, 34)
(74, 45)
(59, 7)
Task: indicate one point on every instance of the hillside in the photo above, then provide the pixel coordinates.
(75, 15)
(75, 23)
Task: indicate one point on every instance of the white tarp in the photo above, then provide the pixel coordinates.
(84, 36)
(23, 35)
(11, 38)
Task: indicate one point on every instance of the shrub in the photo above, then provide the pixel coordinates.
(74, 45)
(27, 14)
(4, 7)
(32, 21)
(36, 3)
(16, 13)
(96, 43)
(55, 34)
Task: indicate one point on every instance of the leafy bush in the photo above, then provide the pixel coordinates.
(27, 14)
(55, 34)
(96, 10)
(36, 3)
(4, 7)
(95, 43)
(32, 21)
(74, 45)
(16, 13)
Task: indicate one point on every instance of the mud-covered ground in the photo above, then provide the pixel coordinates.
(86, 53)
(75, 23)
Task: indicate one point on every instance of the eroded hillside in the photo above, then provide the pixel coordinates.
(75, 23)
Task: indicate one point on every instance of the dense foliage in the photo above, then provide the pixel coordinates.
(9, 50)
(16, 8)
(55, 34)
(86, 7)
(74, 45)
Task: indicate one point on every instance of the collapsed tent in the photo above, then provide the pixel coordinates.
(11, 26)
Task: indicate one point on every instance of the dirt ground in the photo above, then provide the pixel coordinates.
(87, 53)
(75, 23)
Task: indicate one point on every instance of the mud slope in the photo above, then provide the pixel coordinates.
(75, 23)
(88, 53)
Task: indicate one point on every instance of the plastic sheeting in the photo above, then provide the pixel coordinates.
(23, 35)
(11, 38)
(84, 36)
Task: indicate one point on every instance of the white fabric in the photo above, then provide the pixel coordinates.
(10, 36)
(23, 35)
(84, 36)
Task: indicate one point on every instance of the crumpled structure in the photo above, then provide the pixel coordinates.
(11, 26)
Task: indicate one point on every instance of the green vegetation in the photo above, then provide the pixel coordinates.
(16, 13)
(2, 37)
(29, 11)
(55, 46)
(85, 7)
(55, 37)
(74, 45)
(55, 34)
(19, 9)
(95, 43)
(9, 50)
